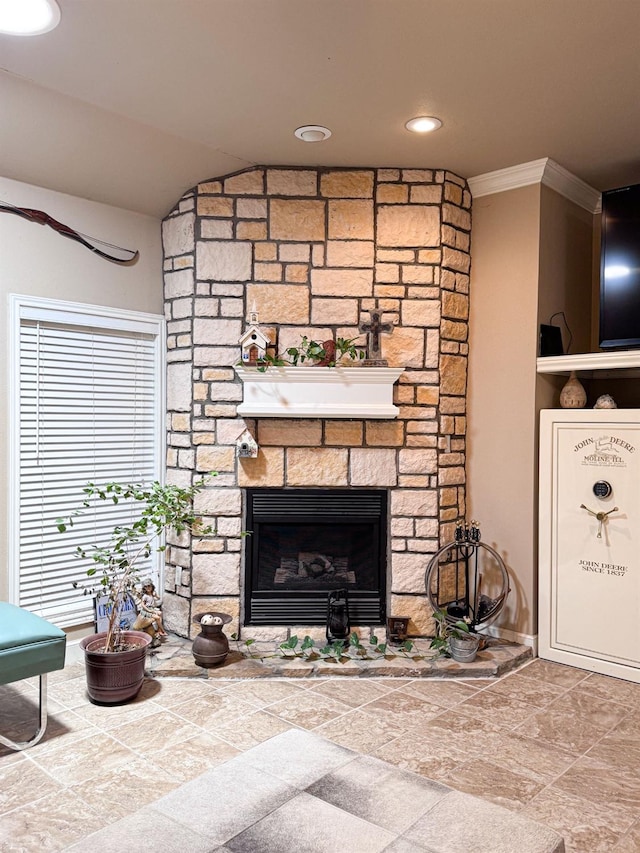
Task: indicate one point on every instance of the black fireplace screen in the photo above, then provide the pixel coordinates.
(306, 542)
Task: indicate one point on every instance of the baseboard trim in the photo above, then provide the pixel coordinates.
(530, 640)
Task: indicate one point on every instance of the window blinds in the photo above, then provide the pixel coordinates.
(88, 401)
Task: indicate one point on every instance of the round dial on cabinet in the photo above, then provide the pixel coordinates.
(602, 489)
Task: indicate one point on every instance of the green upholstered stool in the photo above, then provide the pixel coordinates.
(29, 645)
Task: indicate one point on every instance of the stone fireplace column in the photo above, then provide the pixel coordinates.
(314, 250)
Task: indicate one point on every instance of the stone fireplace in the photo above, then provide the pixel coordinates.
(313, 251)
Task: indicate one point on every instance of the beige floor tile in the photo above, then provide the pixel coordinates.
(21, 783)
(48, 825)
(431, 758)
(74, 670)
(353, 693)
(176, 691)
(71, 693)
(209, 712)
(118, 793)
(162, 728)
(9, 756)
(22, 706)
(602, 784)
(510, 712)
(621, 746)
(262, 692)
(107, 718)
(85, 759)
(630, 726)
(553, 673)
(251, 729)
(360, 731)
(564, 730)
(526, 689)
(193, 757)
(444, 693)
(583, 706)
(607, 687)
(630, 841)
(451, 724)
(493, 782)
(308, 710)
(403, 709)
(537, 761)
(587, 827)
(63, 728)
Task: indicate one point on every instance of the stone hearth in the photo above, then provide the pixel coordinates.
(314, 250)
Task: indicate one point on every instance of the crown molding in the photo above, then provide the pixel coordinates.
(544, 171)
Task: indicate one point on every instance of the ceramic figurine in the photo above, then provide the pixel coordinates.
(605, 401)
(253, 341)
(149, 617)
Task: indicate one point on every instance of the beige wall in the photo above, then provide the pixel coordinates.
(532, 255)
(501, 449)
(36, 261)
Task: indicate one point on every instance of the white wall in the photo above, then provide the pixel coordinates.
(36, 261)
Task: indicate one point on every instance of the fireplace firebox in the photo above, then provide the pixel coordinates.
(304, 543)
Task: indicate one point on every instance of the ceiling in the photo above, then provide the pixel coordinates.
(131, 102)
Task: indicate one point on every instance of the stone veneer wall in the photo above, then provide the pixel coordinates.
(314, 248)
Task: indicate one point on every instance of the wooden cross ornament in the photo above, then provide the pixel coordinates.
(373, 330)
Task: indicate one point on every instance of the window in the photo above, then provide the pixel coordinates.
(87, 395)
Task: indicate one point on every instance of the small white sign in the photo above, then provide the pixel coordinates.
(128, 613)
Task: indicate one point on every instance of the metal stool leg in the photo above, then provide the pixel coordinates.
(42, 711)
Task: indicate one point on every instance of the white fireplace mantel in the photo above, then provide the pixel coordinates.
(319, 392)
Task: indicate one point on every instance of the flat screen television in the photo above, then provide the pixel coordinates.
(620, 268)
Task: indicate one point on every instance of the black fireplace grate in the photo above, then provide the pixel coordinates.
(346, 528)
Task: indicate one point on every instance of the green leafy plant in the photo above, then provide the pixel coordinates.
(288, 647)
(246, 644)
(312, 351)
(445, 629)
(117, 562)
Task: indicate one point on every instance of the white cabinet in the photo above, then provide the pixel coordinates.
(589, 546)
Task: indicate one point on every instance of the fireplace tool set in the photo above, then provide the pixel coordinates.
(467, 579)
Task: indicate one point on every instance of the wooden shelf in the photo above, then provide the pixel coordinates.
(606, 365)
(319, 392)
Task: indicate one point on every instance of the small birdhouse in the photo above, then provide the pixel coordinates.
(253, 344)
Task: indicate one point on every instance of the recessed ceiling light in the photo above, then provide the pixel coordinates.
(312, 133)
(28, 17)
(423, 124)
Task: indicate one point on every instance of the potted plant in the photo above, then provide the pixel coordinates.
(455, 639)
(326, 354)
(115, 658)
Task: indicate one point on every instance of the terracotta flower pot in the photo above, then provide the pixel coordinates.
(114, 677)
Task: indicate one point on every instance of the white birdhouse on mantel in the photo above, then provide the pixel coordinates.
(253, 341)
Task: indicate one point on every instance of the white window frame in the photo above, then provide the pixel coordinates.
(73, 313)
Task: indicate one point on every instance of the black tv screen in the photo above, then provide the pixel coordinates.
(620, 268)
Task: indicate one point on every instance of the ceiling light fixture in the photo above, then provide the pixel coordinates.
(312, 133)
(28, 17)
(423, 124)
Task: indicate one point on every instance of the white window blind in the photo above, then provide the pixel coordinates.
(88, 399)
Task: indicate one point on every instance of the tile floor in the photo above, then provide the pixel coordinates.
(557, 744)
(303, 793)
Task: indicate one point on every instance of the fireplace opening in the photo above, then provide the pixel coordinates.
(304, 543)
